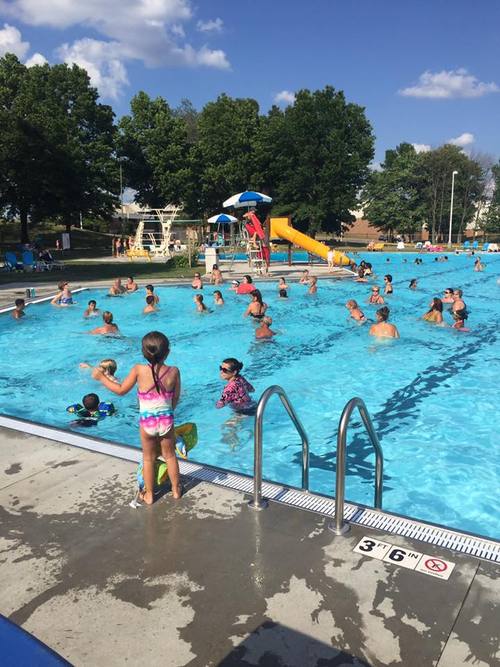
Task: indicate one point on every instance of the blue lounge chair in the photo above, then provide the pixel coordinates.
(486, 246)
(475, 245)
(29, 263)
(466, 245)
(10, 262)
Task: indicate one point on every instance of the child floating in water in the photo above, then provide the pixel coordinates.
(107, 366)
(263, 330)
(92, 411)
(355, 311)
(92, 310)
(237, 390)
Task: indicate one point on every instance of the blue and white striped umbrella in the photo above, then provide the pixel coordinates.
(247, 199)
(222, 217)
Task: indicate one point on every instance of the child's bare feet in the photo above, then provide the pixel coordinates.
(177, 492)
(147, 497)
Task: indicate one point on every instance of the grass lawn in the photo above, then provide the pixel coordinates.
(78, 270)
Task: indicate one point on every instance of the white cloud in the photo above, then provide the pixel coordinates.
(422, 148)
(36, 59)
(284, 97)
(212, 25)
(150, 31)
(449, 84)
(106, 71)
(11, 41)
(463, 140)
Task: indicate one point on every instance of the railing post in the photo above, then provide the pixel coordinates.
(257, 502)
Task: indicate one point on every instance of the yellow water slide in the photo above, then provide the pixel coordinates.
(282, 229)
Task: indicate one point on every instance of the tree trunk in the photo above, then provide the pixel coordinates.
(23, 214)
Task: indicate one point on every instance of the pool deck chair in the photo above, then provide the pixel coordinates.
(466, 245)
(475, 245)
(10, 262)
(486, 246)
(379, 246)
(29, 262)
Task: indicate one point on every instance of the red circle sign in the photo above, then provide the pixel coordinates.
(435, 565)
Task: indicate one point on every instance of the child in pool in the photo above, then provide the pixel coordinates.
(237, 390)
(460, 316)
(263, 330)
(200, 306)
(107, 366)
(313, 285)
(150, 305)
(158, 390)
(92, 310)
(218, 298)
(91, 411)
(18, 311)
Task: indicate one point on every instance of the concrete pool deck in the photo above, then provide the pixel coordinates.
(206, 581)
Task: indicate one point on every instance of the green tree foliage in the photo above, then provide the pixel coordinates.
(391, 198)
(153, 146)
(313, 157)
(56, 145)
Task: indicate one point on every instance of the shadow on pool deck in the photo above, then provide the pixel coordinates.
(206, 581)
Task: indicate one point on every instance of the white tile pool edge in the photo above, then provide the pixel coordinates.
(466, 543)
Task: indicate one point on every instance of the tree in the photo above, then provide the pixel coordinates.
(314, 156)
(391, 198)
(153, 145)
(56, 146)
(490, 222)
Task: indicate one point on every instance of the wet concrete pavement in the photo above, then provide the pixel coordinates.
(206, 581)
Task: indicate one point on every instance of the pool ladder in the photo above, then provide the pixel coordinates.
(339, 526)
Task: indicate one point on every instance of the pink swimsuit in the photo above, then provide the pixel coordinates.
(156, 411)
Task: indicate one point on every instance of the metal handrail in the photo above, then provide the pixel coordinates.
(340, 527)
(258, 503)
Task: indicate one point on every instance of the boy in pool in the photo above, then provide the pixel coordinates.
(263, 330)
(92, 310)
(355, 311)
(150, 305)
(150, 292)
(18, 311)
(92, 411)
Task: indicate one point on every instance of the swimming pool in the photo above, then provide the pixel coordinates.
(432, 394)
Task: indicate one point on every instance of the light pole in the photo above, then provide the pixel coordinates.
(451, 205)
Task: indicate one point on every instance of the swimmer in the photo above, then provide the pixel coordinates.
(460, 316)
(216, 278)
(218, 298)
(263, 330)
(150, 306)
(478, 265)
(234, 285)
(283, 294)
(368, 269)
(91, 412)
(448, 295)
(282, 284)
(18, 311)
(382, 328)
(313, 285)
(388, 284)
(107, 366)
(150, 291)
(92, 310)
(131, 285)
(197, 281)
(109, 327)
(304, 279)
(200, 306)
(413, 284)
(257, 308)
(376, 299)
(355, 311)
(458, 302)
(435, 312)
(64, 298)
(237, 390)
(361, 276)
(246, 287)
(117, 289)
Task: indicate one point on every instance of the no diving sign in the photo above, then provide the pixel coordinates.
(411, 560)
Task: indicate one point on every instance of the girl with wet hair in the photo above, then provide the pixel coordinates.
(237, 390)
(158, 390)
(435, 312)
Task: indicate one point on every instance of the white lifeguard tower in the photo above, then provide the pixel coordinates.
(154, 231)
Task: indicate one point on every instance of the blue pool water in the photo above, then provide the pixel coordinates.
(432, 394)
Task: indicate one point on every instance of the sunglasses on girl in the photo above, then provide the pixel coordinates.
(225, 370)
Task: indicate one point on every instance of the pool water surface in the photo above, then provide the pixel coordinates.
(432, 394)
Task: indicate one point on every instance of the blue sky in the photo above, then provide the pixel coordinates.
(427, 71)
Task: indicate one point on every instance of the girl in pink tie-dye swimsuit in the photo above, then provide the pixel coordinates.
(158, 390)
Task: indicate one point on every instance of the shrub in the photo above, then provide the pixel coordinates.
(181, 260)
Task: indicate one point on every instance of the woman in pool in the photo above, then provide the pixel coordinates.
(92, 310)
(216, 278)
(131, 285)
(237, 390)
(282, 284)
(413, 283)
(158, 390)
(304, 279)
(460, 316)
(246, 287)
(197, 282)
(313, 285)
(376, 299)
(109, 327)
(448, 295)
(435, 312)
(382, 328)
(388, 284)
(218, 298)
(355, 311)
(200, 306)
(64, 297)
(257, 308)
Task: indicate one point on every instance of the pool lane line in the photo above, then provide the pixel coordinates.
(482, 547)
